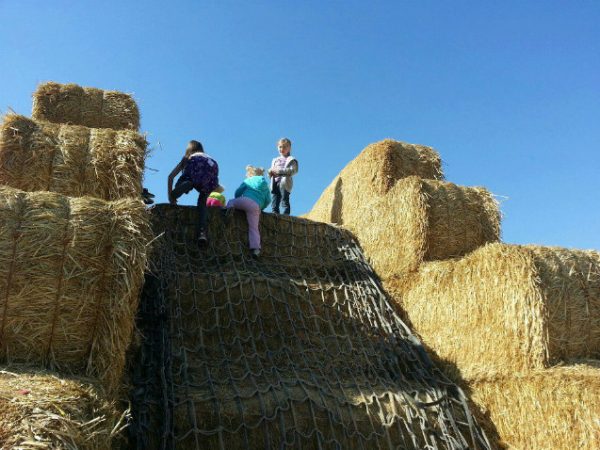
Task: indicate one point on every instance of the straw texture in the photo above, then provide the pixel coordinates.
(71, 160)
(90, 107)
(552, 409)
(415, 220)
(39, 410)
(506, 307)
(70, 274)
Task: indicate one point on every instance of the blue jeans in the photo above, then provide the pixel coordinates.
(184, 186)
(280, 197)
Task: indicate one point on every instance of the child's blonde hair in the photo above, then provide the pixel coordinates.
(286, 142)
(220, 189)
(252, 171)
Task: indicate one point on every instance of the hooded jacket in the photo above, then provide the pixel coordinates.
(257, 189)
(286, 174)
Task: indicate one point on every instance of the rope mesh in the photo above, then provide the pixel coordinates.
(299, 349)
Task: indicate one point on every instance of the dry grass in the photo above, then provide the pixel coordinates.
(70, 274)
(506, 307)
(552, 409)
(39, 410)
(71, 160)
(415, 220)
(90, 107)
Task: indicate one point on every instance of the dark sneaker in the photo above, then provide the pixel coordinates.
(202, 238)
(255, 253)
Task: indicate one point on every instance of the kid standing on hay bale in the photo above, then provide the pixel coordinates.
(216, 199)
(283, 168)
(252, 197)
(200, 172)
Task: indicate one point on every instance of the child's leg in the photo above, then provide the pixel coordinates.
(285, 202)
(202, 211)
(275, 197)
(252, 215)
(182, 186)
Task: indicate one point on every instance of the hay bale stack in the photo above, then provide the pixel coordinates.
(373, 173)
(90, 107)
(71, 160)
(42, 411)
(70, 274)
(552, 409)
(415, 220)
(506, 308)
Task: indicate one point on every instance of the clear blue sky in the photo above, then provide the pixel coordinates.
(508, 92)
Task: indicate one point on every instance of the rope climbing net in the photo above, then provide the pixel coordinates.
(299, 349)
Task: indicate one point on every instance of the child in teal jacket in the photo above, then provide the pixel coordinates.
(252, 196)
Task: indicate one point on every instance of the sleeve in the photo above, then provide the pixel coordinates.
(291, 170)
(240, 191)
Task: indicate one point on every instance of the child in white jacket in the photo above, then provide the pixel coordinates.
(283, 168)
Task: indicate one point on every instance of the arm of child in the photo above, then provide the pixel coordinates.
(171, 177)
(240, 191)
(271, 170)
(289, 171)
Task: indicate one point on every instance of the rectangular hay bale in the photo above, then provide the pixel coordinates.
(39, 410)
(70, 275)
(551, 409)
(90, 107)
(506, 307)
(71, 160)
(420, 220)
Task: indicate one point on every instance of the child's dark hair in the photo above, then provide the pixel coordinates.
(196, 147)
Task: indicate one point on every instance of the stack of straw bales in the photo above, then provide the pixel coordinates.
(391, 197)
(40, 410)
(70, 159)
(499, 317)
(90, 107)
(73, 235)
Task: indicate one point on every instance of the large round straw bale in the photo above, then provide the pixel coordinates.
(416, 220)
(71, 160)
(39, 410)
(90, 107)
(70, 274)
(506, 307)
(552, 409)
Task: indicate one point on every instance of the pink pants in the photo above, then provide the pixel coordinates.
(253, 217)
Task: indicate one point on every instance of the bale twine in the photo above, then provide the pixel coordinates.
(416, 220)
(90, 107)
(40, 410)
(552, 409)
(506, 308)
(71, 160)
(70, 274)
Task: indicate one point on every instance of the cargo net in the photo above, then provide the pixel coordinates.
(298, 349)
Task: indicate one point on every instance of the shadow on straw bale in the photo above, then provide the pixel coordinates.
(71, 160)
(90, 107)
(40, 410)
(70, 274)
(506, 308)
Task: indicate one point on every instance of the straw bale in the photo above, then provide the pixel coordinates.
(551, 409)
(416, 220)
(70, 274)
(506, 307)
(39, 410)
(90, 107)
(71, 160)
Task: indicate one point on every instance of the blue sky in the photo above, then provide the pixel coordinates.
(508, 92)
